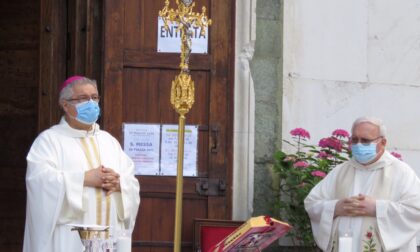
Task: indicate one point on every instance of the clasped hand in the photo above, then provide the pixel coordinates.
(104, 178)
(360, 205)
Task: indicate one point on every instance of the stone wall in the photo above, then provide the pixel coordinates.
(349, 59)
(266, 71)
(321, 64)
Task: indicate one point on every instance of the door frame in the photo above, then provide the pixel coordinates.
(244, 114)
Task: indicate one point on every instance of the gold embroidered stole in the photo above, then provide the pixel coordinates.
(89, 158)
(381, 189)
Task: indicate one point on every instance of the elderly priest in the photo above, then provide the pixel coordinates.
(369, 203)
(77, 174)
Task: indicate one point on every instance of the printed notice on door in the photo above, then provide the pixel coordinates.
(168, 166)
(141, 144)
(169, 41)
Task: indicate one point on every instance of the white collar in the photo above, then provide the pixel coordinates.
(65, 129)
(385, 160)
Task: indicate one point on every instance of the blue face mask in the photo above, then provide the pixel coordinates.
(87, 112)
(364, 153)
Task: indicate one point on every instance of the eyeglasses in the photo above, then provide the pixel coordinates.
(85, 98)
(364, 141)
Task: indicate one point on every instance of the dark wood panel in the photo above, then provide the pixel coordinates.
(19, 36)
(159, 225)
(160, 229)
(15, 207)
(203, 154)
(141, 93)
(221, 50)
(85, 39)
(13, 179)
(76, 32)
(133, 20)
(146, 94)
(52, 70)
(18, 100)
(166, 184)
(136, 58)
(19, 25)
(94, 40)
(19, 76)
(18, 65)
(113, 67)
(147, 97)
(11, 234)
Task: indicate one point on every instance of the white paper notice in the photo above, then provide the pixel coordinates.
(170, 150)
(170, 40)
(141, 143)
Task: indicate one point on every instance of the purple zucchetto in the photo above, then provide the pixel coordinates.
(70, 80)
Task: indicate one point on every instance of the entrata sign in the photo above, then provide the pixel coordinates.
(169, 41)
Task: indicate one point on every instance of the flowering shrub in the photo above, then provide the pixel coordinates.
(300, 171)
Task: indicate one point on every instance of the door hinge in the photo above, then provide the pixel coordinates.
(211, 187)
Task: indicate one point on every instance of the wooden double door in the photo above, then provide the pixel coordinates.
(136, 89)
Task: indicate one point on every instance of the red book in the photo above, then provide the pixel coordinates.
(254, 235)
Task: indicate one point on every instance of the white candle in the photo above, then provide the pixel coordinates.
(345, 244)
(124, 244)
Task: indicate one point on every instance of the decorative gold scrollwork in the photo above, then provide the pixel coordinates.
(183, 85)
(182, 93)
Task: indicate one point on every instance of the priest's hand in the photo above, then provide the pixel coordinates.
(360, 205)
(347, 207)
(93, 177)
(367, 205)
(110, 181)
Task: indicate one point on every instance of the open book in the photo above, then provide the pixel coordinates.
(254, 235)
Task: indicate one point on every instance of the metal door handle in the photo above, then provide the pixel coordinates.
(214, 138)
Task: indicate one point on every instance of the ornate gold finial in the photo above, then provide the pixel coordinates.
(186, 19)
(182, 93)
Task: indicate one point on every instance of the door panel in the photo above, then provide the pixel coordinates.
(137, 86)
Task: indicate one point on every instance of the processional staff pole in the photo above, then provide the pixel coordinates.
(182, 90)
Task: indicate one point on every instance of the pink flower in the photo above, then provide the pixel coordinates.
(340, 133)
(300, 132)
(397, 155)
(300, 164)
(318, 173)
(332, 143)
(369, 235)
(324, 155)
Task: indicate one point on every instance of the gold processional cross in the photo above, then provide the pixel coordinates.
(182, 90)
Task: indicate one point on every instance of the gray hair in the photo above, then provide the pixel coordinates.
(372, 120)
(67, 92)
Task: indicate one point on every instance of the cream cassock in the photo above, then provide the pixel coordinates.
(396, 189)
(57, 161)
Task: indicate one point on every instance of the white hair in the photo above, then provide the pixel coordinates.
(67, 92)
(372, 120)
